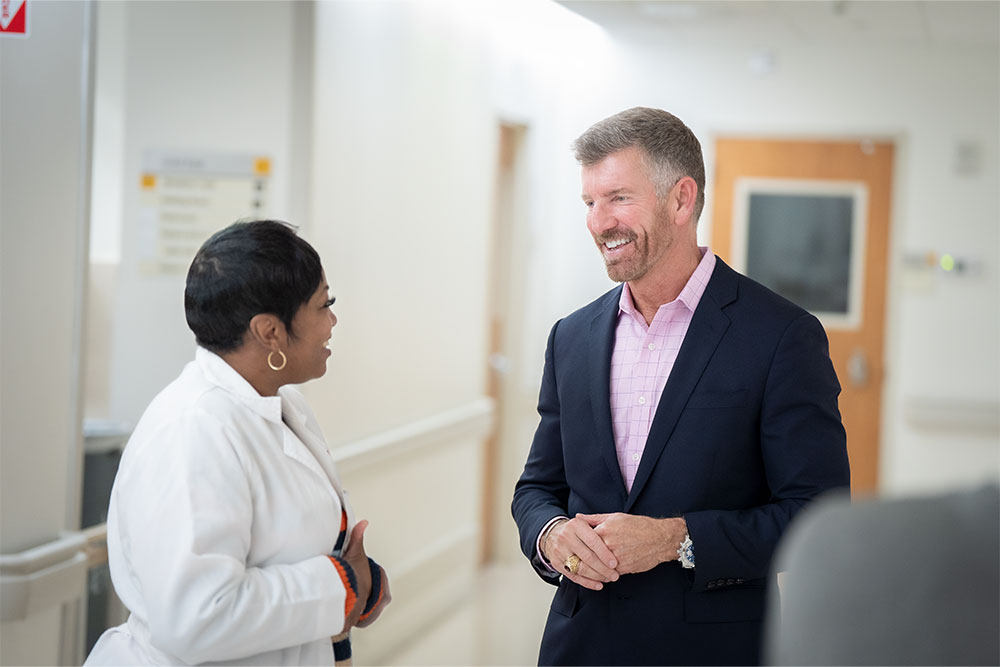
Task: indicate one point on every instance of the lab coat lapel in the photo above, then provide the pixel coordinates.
(320, 461)
(708, 325)
(294, 447)
(308, 448)
(322, 464)
(602, 342)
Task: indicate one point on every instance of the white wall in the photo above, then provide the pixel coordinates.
(208, 77)
(404, 153)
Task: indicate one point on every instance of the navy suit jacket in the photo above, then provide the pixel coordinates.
(747, 432)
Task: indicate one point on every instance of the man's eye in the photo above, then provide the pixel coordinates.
(330, 302)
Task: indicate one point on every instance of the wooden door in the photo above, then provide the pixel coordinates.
(503, 264)
(749, 175)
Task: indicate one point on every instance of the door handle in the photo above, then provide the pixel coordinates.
(858, 370)
(500, 363)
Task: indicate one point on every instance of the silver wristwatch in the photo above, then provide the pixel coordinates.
(685, 553)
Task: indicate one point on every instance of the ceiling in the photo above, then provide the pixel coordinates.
(940, 23)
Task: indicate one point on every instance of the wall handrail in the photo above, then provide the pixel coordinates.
(42, 556)
(473, 419)
(962, 415)
(42, 576)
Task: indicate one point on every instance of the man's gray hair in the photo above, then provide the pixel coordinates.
(670, 151)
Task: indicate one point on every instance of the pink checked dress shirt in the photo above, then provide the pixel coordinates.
(642, 360)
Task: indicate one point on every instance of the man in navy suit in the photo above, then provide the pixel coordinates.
(686, 416)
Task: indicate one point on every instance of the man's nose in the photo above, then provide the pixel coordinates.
(600, 219)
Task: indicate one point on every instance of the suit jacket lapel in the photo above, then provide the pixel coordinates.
(602, 342)
(707, 327)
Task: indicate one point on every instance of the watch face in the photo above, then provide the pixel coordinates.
(686, 553)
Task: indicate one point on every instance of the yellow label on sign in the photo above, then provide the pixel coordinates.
(148, 181)
(262, 166)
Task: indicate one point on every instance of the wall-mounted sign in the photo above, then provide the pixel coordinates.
(186, 197)
(14, 18)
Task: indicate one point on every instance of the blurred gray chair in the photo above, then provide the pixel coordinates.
(895, 582)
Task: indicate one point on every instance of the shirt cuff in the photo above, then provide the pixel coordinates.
(375, 597)
(350, 582)
(342, 650)
(539, 558)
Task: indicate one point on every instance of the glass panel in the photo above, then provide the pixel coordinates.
(799, 245)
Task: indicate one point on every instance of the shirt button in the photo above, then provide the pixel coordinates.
(642, 400)
(635, 457)
(652, 347)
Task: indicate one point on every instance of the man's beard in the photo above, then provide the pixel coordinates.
(641, 260)
(630, 268)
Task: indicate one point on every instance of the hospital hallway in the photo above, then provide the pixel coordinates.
(499, 623)
(848, 160)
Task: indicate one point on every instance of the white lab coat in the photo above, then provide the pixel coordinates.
(222, 514)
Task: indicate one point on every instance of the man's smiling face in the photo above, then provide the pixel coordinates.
(625, 217)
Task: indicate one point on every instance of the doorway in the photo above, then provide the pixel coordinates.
(810, 219)
(505, 321)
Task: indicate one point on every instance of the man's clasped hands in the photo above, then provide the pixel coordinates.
(610, 545)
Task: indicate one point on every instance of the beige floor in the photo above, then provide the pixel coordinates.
(500, 624)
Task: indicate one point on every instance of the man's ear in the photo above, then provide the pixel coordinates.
(269, 331)
(685, 196)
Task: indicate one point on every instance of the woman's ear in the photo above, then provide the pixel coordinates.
(269, 331)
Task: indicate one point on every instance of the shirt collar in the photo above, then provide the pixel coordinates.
(690, 294)
(224, 376)
(290, 412)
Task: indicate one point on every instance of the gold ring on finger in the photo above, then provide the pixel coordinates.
(572, 564)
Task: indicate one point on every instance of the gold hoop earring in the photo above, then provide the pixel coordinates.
(284, 360)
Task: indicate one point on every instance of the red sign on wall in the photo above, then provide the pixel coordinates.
(14, 17)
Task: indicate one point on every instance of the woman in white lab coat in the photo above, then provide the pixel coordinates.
(230, 538)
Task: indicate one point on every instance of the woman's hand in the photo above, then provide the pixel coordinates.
(386, 599)
(358, 560)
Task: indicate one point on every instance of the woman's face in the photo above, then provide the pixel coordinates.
(308, 350)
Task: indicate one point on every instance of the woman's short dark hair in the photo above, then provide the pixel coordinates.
(246, 269)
